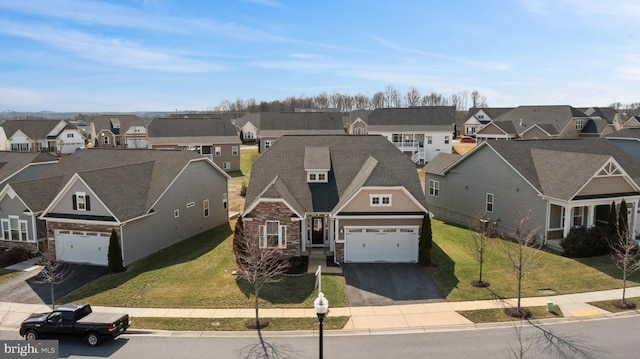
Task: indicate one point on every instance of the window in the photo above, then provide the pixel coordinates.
(224, 201)
(14, 229)
(312, 177)
(81, 201)
(480, 117)
(20, 147)
(434, 188)
(316, 176)
(267, 144)
(446, 140)
(273, 235)
(397, 137)
(218, 151)
(205, 208)
(577, 216)
(321, 177)
(176, 213)
(429, 140)
(578, 124)
(380, 200)
(105, 140)
(234, 150)
(69, 135)
(490, 202)
(226, 165)
(191, 204)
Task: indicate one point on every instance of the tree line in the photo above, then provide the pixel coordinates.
(390, 97)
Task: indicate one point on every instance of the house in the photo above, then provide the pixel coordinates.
(214, 138)
(117, 131)
(248, 127)
(276, 124)
(419, 132)
(151, 198)
(19, 228)
(628, 139)
(57, 136)
(479, 117)
(564, 183)
(357, 198)
(542, 122)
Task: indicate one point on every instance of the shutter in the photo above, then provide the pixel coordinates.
(262, 235)
(283, 237)
(75, 203)
(87, 205)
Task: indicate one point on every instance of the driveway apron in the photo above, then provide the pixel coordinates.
(378, 284)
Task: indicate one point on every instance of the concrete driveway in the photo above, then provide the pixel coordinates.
(377, 284)
(29, 288)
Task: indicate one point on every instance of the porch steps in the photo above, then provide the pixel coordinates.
(553, 245)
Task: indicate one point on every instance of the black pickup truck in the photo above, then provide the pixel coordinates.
(74, 320)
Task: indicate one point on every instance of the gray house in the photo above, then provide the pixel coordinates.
(152, 198)
(276, 124)
(563, 183)
(357, 198)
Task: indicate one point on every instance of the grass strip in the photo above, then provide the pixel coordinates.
(497, 314)
(609, 305)
(233, 324)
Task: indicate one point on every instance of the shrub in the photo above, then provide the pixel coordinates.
(243, 189)
(10, 256)
(583, 242)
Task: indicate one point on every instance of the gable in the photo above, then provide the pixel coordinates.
(609, 180)
(490, 129)
(535, 133)
(66, 204)
(401, 201)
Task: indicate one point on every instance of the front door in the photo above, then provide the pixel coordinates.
(317, 231)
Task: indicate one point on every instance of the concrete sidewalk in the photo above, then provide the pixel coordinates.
(431, 315)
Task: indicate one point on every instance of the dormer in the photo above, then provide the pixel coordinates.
(317, 163)
(115, 125)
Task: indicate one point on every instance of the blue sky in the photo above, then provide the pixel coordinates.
(157, 55)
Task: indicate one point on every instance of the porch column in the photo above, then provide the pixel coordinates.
(568, 217)
(331, 231)
(590, 215)
(303, 234)
(634, 218)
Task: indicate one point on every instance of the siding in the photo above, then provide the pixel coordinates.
(15, 207)
(463, 192)
(65, 205)
(606, 185)
(535, 133)
(227, 156)
(399, 202)
(197, 182)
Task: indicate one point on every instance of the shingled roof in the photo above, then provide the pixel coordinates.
(436, 118)
(195, 130)
(553, 119)
(300, 123)
(12, 162)
(356, 161)
(34, 129)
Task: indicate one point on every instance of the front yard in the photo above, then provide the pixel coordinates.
(197, 273)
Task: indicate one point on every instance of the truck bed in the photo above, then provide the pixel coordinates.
(101, 318)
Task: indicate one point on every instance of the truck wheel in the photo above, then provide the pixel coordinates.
(93, 339)
(31, 335)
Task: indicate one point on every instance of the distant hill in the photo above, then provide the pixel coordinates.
(13, 115)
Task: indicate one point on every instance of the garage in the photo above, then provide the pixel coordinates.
(381, 244)
(82, 247)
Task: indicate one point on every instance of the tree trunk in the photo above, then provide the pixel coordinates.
(480, 269)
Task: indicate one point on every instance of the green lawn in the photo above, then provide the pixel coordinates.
(196, 273)
(456, 269)
(498, 315)
(234, 324)
(6, 274)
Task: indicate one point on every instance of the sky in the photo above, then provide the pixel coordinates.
(189, 55)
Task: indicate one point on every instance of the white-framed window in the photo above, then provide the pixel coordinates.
(267, 143)
(429, 140)
(205, 208)
(446, 140)
(105, 140)
(20, 147)
(69, 135)
(579, 124)
(316, 176)
(224, 201)
(176, 213)
(578, 215)
(226, 165)
(218, 151)
(434, 188)
(234, 150)
(273, 235)
(380, 200)
(14, 229)
(81, 201)
(191, 204)
(489, 205)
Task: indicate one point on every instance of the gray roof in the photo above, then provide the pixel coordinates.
(300, 123)
(200, 130)
(438, 118)
(354, 115)
(556, 117)
(440, 162)
(630, 133)
(356, 161)
(493, 112)
(562, 161)
(34, 129)
(506, 126)
(12, 162)
(606, 113)
(128, 182)
(104, 122)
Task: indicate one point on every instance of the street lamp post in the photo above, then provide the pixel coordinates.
(321, 305)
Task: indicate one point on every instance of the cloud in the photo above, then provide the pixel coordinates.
(269, 3)
(109, 51)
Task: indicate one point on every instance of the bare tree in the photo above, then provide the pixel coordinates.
(259, 267)
(378, 100)
(413, 97)
(53, 272)
(624, 253)
(483, 230)
(522, 256)
(361, 102)
(477, 100)
(392, 97)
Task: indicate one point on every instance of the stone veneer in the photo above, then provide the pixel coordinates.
(274, 211)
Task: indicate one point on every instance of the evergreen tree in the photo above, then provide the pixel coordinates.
(425, 242)
(623, 227)
(115, 254)
(613, 220)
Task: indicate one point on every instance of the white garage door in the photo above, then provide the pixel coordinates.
(381, 244)
(82, 247)
(136, 143)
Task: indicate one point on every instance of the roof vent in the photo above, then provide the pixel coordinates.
(521, 122)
